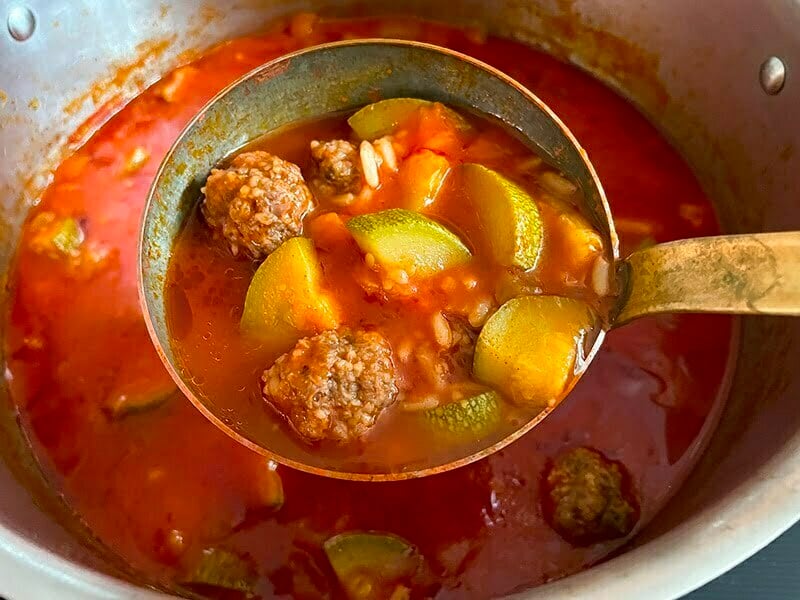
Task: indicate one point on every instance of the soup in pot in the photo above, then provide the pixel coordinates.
(191, 509)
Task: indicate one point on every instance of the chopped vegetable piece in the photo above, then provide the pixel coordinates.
(269, 486)
(529, 347)
(580, 243)
(488, 148)
(509, 215)
(421, 177)
(328, 231)
(56, 237)
(383, 118)
(467, 418)
(285, 299)
(136, 160)
(138, 397)
(441, 130)
(403, 239)
(222, 568)
(68, 237)
(571, 237)
(370, 565)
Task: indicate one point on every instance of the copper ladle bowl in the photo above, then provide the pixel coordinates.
(742, 274)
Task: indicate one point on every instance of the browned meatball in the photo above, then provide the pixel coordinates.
(338, 167)
(333, 386)
(257, 202)
(588, 499)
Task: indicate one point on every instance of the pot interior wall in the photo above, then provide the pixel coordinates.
(691, 66)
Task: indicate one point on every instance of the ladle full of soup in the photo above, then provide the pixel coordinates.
(381, 260)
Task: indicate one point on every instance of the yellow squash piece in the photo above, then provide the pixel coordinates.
(402, 239)
(285, 300)
(384, 117)
(509, 214)
(529, 347)
(421, 177)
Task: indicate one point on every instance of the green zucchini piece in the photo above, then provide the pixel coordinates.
(384, 117)
(285, 300)
(403, 239)
(225, 569)
(529, 347)
(509, 214)
(368, 564)
(471, 417)
(138, 397)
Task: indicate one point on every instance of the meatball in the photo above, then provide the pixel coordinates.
(587, 498)
(338, 167)
(333, 386)
(257, 202)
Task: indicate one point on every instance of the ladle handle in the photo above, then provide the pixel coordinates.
(740, 274)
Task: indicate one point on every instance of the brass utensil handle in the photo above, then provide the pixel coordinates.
(740, 274)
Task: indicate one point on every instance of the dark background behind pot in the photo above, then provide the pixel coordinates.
(773, 573)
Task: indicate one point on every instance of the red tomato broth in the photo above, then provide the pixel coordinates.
(649, 401)
(208, 285)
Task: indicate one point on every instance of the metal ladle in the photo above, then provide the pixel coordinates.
(742, 274)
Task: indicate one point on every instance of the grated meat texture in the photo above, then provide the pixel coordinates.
(333, 386)
(257, 202)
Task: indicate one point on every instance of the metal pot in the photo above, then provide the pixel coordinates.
(712, 80)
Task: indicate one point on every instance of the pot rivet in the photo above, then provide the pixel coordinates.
(772, 75)
(21, 22)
